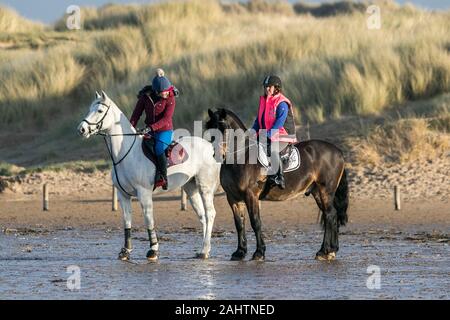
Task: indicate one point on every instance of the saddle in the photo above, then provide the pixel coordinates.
(290, 156)
(175, 153)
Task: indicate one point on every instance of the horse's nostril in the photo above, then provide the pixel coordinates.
(82, 130)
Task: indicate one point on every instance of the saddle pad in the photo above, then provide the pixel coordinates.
(291, 161)
(175, 153)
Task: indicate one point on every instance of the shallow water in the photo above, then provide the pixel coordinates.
(34, 266)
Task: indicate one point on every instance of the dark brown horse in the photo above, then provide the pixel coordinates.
(321, 174)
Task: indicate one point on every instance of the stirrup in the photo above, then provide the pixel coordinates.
(272, 179)
(279, 181)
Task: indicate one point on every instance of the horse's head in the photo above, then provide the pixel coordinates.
(229, 125)
(99, 118)
(217, 120)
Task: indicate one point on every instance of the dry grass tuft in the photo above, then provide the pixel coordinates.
(401, 142)
(10, 21)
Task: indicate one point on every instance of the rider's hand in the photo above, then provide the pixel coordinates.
(146, 130)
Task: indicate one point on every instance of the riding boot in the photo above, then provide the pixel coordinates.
(161, 175)
(279, 177)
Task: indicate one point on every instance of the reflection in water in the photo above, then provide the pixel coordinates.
(207, 280)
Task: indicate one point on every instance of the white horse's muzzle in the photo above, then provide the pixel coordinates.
(85, 130)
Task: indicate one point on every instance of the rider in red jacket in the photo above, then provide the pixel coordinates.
(158, 102)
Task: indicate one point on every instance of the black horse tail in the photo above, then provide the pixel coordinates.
(341, 200)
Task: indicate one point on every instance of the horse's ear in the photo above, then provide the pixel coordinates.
(210, 113)
(223, 113)
(97, 95)
(104, 95)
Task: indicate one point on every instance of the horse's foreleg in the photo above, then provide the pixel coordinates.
(145, 198)
(238, 208)
(196, 201)
(125, 204)
(252, 203)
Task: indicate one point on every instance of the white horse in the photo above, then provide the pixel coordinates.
(133, 174)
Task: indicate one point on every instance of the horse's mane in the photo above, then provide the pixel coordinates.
(235, 118)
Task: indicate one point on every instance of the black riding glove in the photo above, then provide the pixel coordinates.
(176, 92)
(146, 131)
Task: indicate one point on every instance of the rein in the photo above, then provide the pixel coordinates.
(226, 151)
(116, 163)
(110, 151)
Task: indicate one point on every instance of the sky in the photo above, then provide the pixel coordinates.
(48, 11)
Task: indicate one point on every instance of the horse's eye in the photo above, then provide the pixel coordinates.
(100, 111)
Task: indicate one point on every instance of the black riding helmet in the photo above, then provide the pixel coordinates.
(272, 81)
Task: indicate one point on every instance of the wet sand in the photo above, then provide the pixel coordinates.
(94, 211)
(409, 246)
(35, 267)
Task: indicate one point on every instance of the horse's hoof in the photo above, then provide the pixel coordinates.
(320, 256)
(202, 256)
(238, 256)
(124, 254)
(152, 255)
(258, 257)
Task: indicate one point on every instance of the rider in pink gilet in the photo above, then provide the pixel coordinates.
(275, 114)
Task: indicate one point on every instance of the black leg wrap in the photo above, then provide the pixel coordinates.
(152, 241)
(128, 238)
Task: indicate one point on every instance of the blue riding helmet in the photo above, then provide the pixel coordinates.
(160, 84)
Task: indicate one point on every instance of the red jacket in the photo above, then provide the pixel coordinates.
(158, 113)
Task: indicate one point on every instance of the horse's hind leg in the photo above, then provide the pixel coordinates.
(330, 244)
(238, 208)
(146, 201)
(196, 201)
(125, 204)
(207, 195)
(252, 203)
